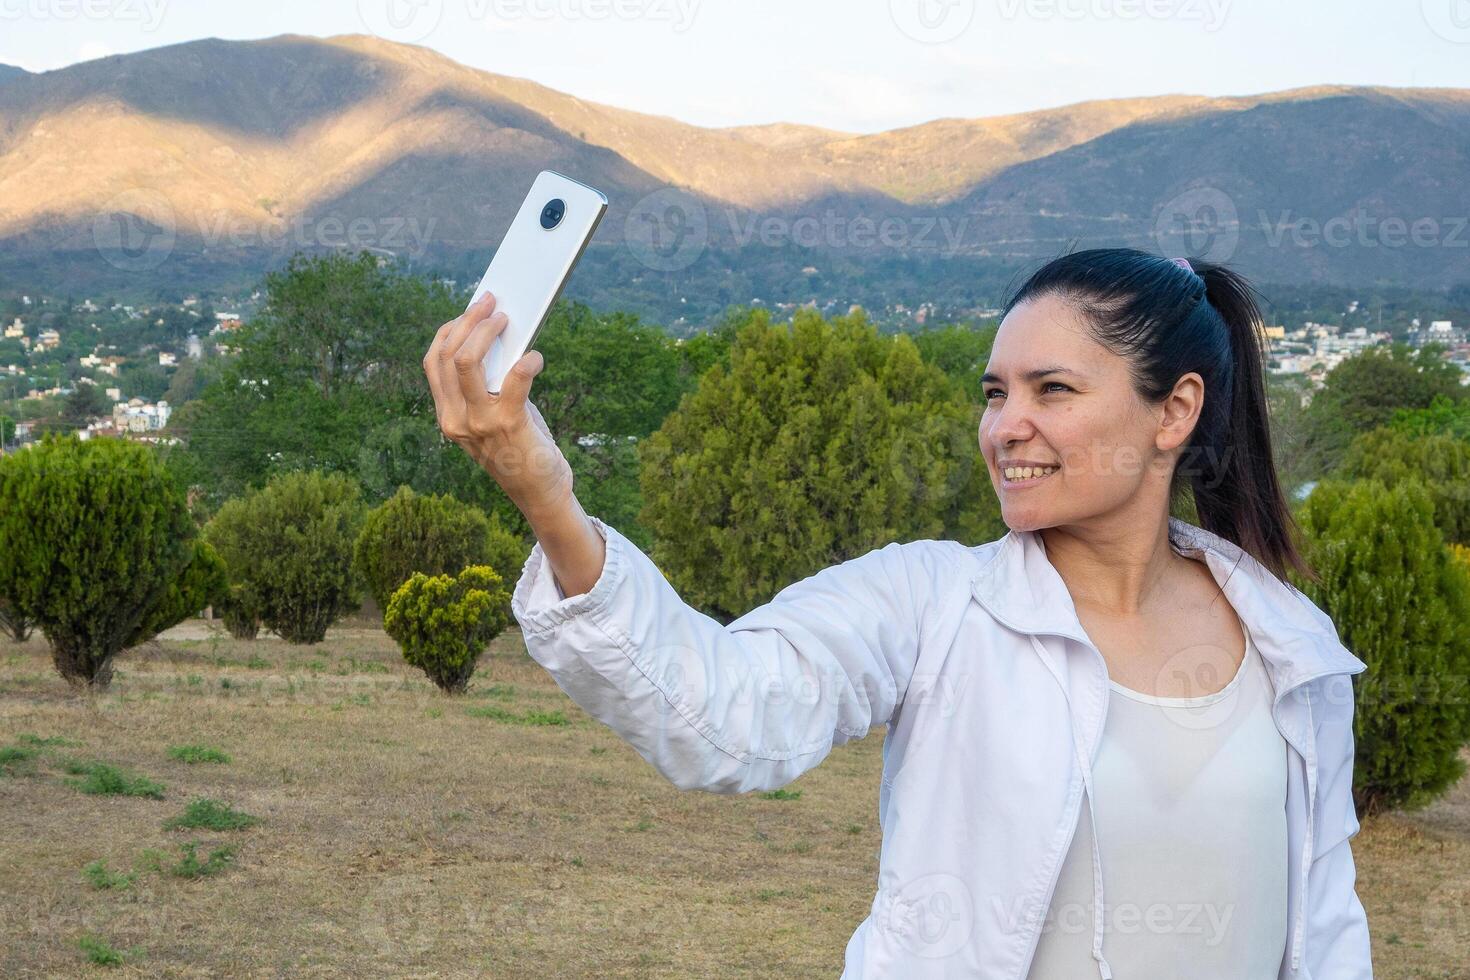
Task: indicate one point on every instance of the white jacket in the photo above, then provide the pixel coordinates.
(994, 701)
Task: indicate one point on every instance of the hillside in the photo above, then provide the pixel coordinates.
(223, 156)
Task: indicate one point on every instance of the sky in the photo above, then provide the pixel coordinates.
(851, 65)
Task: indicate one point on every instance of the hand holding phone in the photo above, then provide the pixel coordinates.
(531, 267)
(503, 432)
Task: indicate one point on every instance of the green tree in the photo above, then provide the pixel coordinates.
(432, 534)
(609, 381)
(960, 351)
(333, 357)
(85, 403)
(289, 546)
(1401, 602)
(1365, 390)
(13, 624)
(1445, 416)
(443, 623)
(97, 548)
(821, 441)
(1441, 463)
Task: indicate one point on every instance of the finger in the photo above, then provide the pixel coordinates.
(469, 362)
(479, 311)
(516, 388)
(458, 330)
(431, 369)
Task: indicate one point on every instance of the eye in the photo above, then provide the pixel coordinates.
(1050, 384)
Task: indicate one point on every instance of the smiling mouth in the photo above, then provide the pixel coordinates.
(1025, 476)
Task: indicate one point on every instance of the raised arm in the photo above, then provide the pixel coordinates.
(730, 708)
(735, 708)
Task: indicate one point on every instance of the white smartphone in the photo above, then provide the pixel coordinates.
(533, 262)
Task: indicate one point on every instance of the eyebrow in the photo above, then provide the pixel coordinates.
(1034, 375)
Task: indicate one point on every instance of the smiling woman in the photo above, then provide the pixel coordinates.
(1118, 381)
(1118, 370)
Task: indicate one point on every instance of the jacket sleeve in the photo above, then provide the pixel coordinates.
(1336, 946)
(735, 708)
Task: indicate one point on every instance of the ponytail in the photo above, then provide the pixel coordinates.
(1169, 318)
(1242, 501)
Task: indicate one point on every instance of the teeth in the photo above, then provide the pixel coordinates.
(1027, 472)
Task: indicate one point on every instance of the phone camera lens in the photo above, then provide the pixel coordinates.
(552, 214)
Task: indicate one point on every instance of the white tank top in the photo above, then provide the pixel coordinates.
(1190, 809)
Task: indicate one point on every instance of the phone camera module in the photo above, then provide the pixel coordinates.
(552, 214)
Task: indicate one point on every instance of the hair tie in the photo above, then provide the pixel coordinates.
(1184, 264)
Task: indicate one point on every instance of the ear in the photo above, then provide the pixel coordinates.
(1181, 411)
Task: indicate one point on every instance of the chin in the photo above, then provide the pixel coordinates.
(1025, 520)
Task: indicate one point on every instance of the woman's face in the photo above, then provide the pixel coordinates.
(1059, 403)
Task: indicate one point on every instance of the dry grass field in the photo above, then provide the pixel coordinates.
(502, 834)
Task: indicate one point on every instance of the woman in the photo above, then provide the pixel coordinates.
(1116, 742)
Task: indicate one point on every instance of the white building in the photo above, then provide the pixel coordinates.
(137, 416)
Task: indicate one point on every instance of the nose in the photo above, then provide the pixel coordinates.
(1007, 424)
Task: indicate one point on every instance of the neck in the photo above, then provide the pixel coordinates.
(1114, 567)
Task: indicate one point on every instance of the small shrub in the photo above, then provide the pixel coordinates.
(196, 753)
(101, 779)
(189, 865)
(240, 610)
(98, 549)
(413, 532)
(533, 717)
(100, 953)
(206, 814)
(1400, 602)
(288, 548)
(98, 875)
(443, 624)
(16, 759)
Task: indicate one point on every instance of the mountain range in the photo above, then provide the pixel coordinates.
(208, 162)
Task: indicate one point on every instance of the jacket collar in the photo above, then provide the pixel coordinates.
(1018, 584)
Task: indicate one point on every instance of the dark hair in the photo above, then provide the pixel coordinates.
(1168, 321)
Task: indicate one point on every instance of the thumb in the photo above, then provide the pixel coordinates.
(516, 387)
